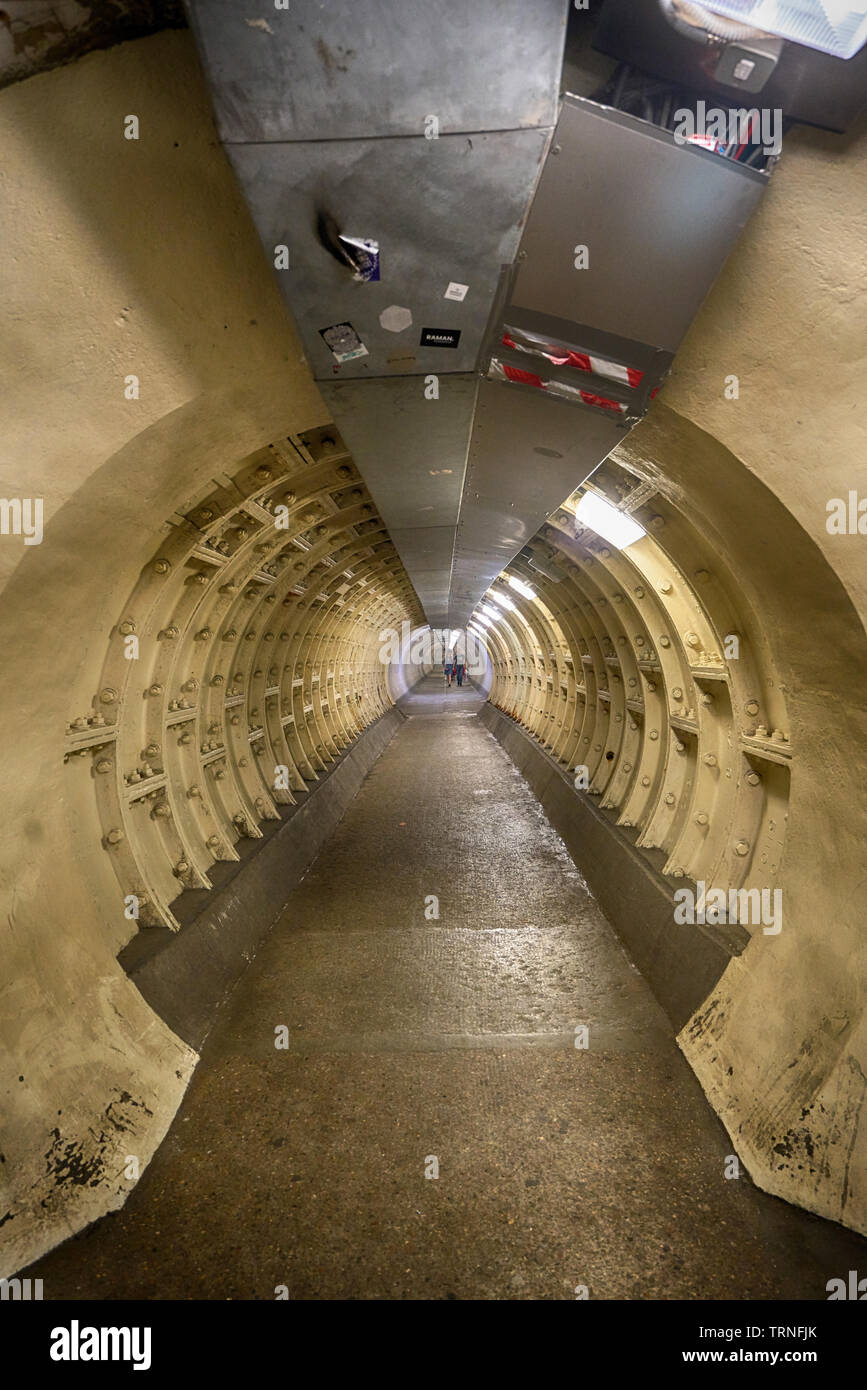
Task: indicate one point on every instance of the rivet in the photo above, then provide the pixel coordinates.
(155, 689)
(701, 818)
(654, 734)
(126, 627)
(108, 696)
(670, 799)
(742, 848)
(709, 759)
(753, 779)
(645, 781)
(161, 566)
(115, 837)
(104, 765)
(752, 707)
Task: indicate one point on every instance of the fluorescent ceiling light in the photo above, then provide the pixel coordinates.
(505, 602)
(480, 618)
(491, 611)
(521, 587)
(838, 27)
(608, 522)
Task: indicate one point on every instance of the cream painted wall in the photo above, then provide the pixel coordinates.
(787, 316)
(139, 257)
(119, 257)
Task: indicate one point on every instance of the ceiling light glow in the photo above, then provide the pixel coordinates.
(521, 587)
(607, 521)
(838, 27)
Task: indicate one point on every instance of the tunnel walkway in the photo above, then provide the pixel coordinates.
(420, 1041)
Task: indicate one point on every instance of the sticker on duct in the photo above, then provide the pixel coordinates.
(344, 342)
(440, 337)
(364, 255)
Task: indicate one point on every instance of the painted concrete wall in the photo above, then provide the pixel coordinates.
(138, 257)
(120, 257)
(780, 1046)
(787, 316)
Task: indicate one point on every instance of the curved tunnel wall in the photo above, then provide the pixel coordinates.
(138, 258)
(257, 629)
(732, 752)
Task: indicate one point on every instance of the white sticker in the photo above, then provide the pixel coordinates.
(456, 291)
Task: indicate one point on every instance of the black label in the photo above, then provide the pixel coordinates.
(440, 337)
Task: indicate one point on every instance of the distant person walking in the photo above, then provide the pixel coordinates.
(460, 668)
(448, 669)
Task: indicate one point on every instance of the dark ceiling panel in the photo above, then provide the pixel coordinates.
(353, 69)
(442, 211)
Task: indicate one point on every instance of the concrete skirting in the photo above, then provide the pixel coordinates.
(184, 976)
(680, 963)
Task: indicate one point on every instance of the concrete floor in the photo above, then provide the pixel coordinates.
(455, 1038)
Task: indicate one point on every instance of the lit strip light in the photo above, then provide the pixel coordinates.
(505, 602)
(480, 618)
(609, 522)
(838, 27)
(521, 587)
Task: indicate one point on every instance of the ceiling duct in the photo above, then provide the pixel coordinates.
(477, 375)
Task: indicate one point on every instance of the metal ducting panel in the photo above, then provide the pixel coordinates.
(430, 551)
(527, 453)
(350, 70)
(415, 452)
(442, 211)
(647, 276)
(415, 449)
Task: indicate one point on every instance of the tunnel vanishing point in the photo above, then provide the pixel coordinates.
(340, 344)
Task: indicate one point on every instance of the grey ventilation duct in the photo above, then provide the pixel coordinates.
(391, 189)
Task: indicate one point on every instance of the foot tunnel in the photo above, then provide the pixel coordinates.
(343, 346)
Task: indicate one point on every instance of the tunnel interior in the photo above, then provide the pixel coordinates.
(240, 794)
